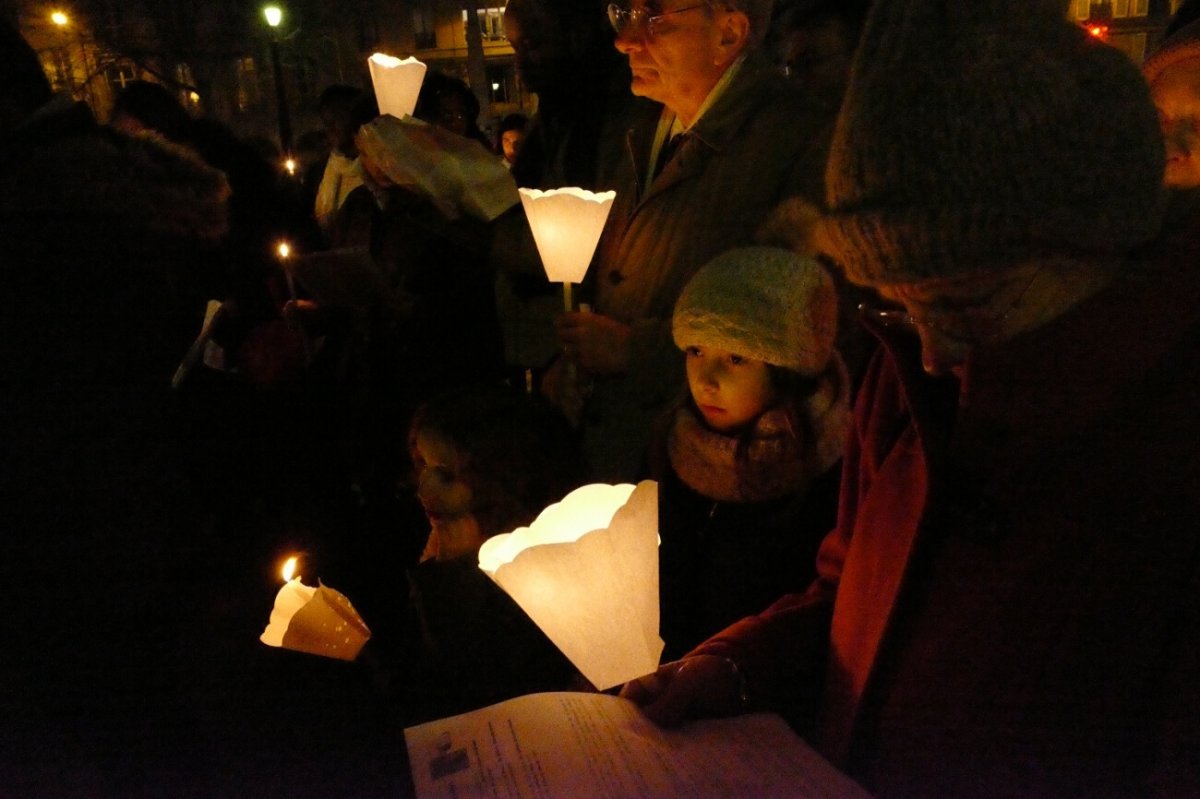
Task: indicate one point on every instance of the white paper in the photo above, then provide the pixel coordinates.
(457, 174)
(598, 746)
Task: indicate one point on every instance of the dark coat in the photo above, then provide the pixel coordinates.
(722, 561)
(1008, 605)
(469, 645)
(763, 141)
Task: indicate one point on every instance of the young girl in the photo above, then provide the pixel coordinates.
(485, 462)
(747, 462)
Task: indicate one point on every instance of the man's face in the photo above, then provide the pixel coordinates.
(1176, 93)
(510, 143)
(677, 59)
(537, 47)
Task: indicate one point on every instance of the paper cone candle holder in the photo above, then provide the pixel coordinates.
(319, 621)
(566, 225)
(586, 572)
(397, 83)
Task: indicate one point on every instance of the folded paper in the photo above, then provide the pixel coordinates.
(397, 83)
(320, 621)
(458, 175)
(586, 572)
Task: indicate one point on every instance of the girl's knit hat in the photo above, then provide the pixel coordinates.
(975, 135)
(764, 303)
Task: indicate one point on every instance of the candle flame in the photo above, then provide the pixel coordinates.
(284, 249)
(289, 568)
(290, 166)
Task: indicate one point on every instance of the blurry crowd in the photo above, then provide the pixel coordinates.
(895, 303)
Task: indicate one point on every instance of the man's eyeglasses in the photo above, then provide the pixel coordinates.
(977, 324)
(639, 21)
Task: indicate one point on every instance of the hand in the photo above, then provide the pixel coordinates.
(700, 686)
(598, 343)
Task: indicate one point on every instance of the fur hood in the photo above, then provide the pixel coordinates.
(143, 183)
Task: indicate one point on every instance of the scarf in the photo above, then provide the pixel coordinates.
(775, 463)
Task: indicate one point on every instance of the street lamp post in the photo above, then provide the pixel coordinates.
(274, 15)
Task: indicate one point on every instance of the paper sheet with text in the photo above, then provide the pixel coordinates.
(579, 745)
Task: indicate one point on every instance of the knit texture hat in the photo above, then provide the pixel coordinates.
(763, 303)
(974, 136)
(1178, 48)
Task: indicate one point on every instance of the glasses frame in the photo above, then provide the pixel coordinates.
(981, 328)
(640, 21)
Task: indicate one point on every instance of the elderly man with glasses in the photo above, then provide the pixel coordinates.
(729, 141)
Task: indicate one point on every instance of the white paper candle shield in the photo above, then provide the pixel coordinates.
(586, 572)
(397, 83)
(320, 621)
(566, 225)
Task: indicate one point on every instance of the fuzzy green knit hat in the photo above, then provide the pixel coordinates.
(764, 303)
(974, 136)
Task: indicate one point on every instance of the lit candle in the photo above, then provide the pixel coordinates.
(319, 621)
(566, 225)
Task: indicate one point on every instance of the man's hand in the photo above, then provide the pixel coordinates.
(598, 344)
(700, 686)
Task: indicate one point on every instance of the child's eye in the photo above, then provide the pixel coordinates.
(736, 360)
(693, 351)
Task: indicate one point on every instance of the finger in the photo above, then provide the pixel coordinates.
(642, 690)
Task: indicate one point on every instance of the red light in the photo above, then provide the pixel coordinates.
(1099, 31)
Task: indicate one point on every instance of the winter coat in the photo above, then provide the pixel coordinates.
(469, 644)
(1008, 605)
(762, 141)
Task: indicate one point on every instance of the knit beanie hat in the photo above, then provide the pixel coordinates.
(1180, 47)
(764, 303)
(975, 136)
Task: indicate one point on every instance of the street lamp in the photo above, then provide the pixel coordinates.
(274, 15)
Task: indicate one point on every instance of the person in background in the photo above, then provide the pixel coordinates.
(448, 102)
(343, 169)
(747, 462)
(1007, 606)
(813, 41)
(727, 140)
(511, 134)
(564, 53)
(484, 462)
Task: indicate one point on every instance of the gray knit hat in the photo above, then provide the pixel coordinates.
(974, 136)
(764, 303)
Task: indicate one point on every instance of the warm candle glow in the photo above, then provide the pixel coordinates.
(284, 249)
(566, 225)
(397, 83)
(59, 18)
(289, 568)
(290, 166)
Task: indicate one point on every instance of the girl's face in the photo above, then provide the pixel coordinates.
(444, 496)
(730, 390)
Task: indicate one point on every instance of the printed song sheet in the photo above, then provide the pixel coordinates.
(582, 746)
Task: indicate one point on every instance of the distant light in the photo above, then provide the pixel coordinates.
(290, 166)
(1099, 31)
(60, 19)
(274, 15)
(495, 87)
(194, 97)
(284, 249)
